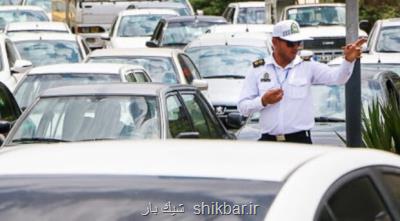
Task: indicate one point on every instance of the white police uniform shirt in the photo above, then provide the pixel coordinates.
(294, 112)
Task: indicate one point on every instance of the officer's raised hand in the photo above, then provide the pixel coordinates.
(272, 96)
(353, 51)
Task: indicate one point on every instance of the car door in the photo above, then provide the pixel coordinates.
(361, 195)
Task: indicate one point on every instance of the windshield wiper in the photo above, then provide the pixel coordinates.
(175, 44)
(38, 140)
(225, 76)
(96, 139)
(328, 119)
(389, 51)
(329, 23)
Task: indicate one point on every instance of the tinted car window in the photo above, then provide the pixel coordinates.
(178, 121)
(122, 198)
(8, 109)
(200, 118)
(393, 182)
(358, 200)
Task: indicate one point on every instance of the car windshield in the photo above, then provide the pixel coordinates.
(181, 33)
(45, 4)
(138, 25)
(45, 52)
(155, 198)
(251, 15)
(32, 85)
(321, 15)
(389, 40)
(160, 69)
(84, 118)
(225, 60)
(8, 16)
(7, 2)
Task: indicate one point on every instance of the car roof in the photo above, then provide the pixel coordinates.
(249, 4)
(158, 4)
(241, 39)
(390, 22)
(21, 7)
(149, 11)
(43, 36)
(15, 26)
(82, 68)
(232, 28)
(316, 4)
(205, 18)
(111, 89)
(109, 52)
(183, 158)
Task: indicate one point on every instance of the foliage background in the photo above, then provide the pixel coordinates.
(370, 10)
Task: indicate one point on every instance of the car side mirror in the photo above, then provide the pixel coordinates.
(364, 25)
(105, 36)
(5, 126)
(21, 66)
(200, 84)
(151, 44)
(188, 135)
(235, 120)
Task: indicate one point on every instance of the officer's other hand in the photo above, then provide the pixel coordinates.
(272, 96)
(353, 51)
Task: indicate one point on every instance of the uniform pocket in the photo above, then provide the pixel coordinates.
(298, 89)
(264, 87)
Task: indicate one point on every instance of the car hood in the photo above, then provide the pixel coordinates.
(322, 133)
(224, 91)
(328, 31)
(129, 42)
(375, 58)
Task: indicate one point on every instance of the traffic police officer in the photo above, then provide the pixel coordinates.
(279, 86)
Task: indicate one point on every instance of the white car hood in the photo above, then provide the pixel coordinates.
(328, 31)
(384, 58)
(129, 42)
(224, 91)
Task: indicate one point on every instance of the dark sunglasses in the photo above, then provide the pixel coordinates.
(291, 44)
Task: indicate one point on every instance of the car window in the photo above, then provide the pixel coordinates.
(8, 109)
(189, 69)
(201, 121)
(138, 76)
(178, 121)
(357, 200)
(251, 15)
(393, 182)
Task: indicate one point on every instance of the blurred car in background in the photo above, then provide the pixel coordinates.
(164, 65)
(245, 12)
(187, 180)
(12, 66)
(117, 111)
(325, 23)
(223, 60)
(133, 28)
(50, 48)
(178, 7)
(179, 31)
(384, 39)
(9, 2)
(240, 28)
(36, 27)
(42, 78)
(19, 13)
(377, 82)
(45, 4)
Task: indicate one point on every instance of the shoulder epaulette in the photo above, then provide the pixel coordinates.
(258, 63)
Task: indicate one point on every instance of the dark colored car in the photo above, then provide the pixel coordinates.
(179, 31)
(117, 111)
(329, 104)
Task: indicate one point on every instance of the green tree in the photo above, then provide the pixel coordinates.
(211, 7)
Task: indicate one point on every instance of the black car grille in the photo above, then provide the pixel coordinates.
(324, 43)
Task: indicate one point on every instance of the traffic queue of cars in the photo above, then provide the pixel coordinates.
(87, 134)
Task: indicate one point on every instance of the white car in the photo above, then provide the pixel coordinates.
(223, 60)
(45, 4)
(133, 28)
(384, 39)
(50, 48)
(20, 13)
(245, 13)
(197, 180)
(11, 65)
(42, 78)
(36, 27)
(239, 28)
